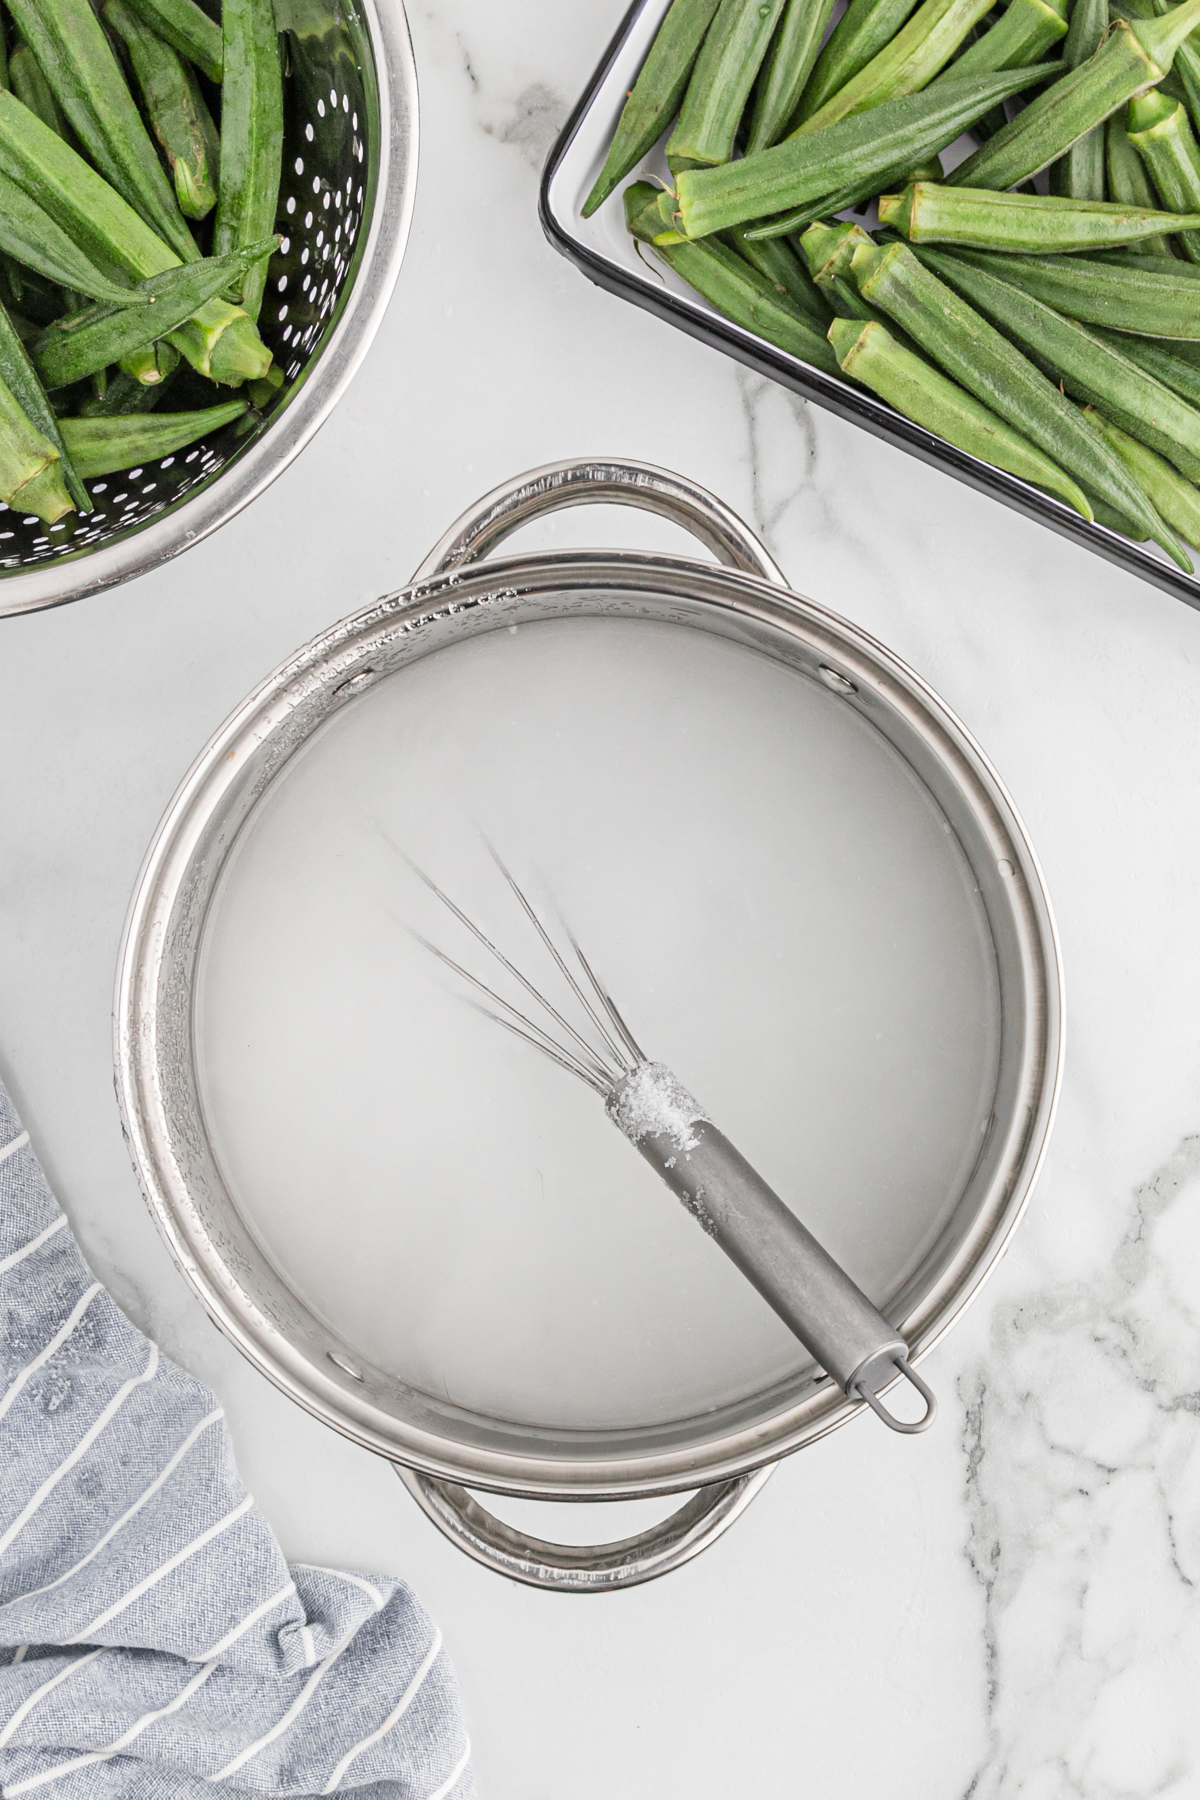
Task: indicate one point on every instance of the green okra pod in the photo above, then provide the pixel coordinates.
(1023, 33)
(1090, 369)
(1128, 181)
(18, 374)
(31, 236)
(785, 72)
(1176, 365)
(808, 165)
(81, 66)
(84, 342)
(929, 213)
(1125, 297)
(1159, 131)
(27, 82)
(176, 110)
(780, 264)
(113, 235)
(984, 361)
(1177, 500)
(859, 35)
(1187, 57)
(739, 291)
(918, 52)
(869, 353)
(106, 445)
(1131, 59)
(1080, 173)
(724, 73)
(655, 96)
(187, 28)
(251, 135)
(31, 474)
(784, 75)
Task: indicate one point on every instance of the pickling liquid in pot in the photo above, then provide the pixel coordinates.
(782, 916)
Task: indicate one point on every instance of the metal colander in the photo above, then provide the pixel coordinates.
(345, 201)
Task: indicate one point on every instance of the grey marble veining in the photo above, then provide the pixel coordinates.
(1007, 1609)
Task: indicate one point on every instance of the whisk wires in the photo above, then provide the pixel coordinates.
(600, 1053)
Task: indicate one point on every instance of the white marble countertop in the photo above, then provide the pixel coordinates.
(1007, 1607)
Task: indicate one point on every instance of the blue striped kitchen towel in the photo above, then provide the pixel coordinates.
(153, 1642)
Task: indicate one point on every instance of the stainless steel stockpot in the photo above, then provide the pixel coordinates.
(438, 1448)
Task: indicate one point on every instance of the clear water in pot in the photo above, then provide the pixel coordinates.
(780, 911)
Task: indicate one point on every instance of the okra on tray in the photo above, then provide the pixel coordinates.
(140, 158)
(988, 214)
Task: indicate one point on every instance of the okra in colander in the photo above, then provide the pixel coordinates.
(92, 210)
(103, 446)
(175, 107)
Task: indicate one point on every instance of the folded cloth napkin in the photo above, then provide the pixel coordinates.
(153, 1642)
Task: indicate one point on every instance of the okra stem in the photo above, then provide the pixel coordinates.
(784, 75)
(1159, 131)
(808, 165)
(871, 355)
(725, 71)
(1131, 59)
(251, 135)
(654, 97)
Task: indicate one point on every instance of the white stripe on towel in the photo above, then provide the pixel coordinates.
(39, 1693)
(163, 1570)
(455, 1776)
(127, 1737)
(344, 1575)
(210, 1419)
(10, 1262)
(56, 1342)
(231, 1637)
(393, 1718)
(86, 1441)
(13, 1145)
(298, 1704)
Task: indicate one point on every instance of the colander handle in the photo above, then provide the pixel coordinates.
(579, 1568)
(595, 483)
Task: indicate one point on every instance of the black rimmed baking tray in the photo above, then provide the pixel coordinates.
(605, 252)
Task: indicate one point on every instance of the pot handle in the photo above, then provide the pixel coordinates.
(557, 485)
(580, 1568)
(572, 1568)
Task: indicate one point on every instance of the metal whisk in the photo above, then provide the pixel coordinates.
(812, 1294)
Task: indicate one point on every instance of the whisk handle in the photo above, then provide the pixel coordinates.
(794, 1273)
